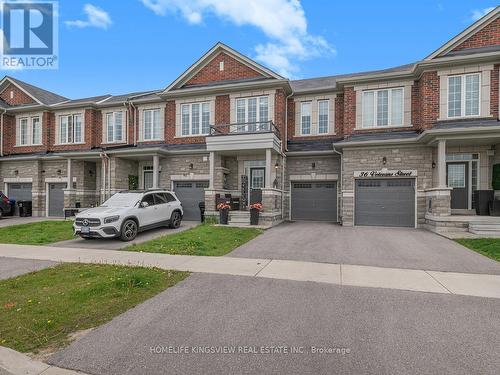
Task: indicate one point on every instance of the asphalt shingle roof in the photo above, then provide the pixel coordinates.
(44, 96)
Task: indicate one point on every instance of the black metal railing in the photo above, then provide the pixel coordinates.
(245, 128)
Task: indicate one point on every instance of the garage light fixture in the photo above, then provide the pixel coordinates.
(384, 160)
(16, 172)
(433, 164)
(191, 166)
(313, 165)
(59, 171)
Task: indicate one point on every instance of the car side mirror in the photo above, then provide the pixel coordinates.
(144, 204)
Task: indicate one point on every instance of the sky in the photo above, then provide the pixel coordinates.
(121, 46)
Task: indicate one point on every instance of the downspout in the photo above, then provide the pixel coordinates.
(125, 104)
(131, 105)
(1, 132)
(339, 191)
(283, 155)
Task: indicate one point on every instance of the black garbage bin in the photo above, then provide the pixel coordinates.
(482, 199)
(25, 208)
(201, 205)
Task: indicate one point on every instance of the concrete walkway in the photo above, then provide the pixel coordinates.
(15, 363)
(479, 285)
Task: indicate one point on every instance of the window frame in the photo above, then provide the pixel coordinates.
(247, 125)
(143, 125)
(29, 131)
(106, 130)
(73, 116)
(309, 103)
(327, 101)
(463, 91)
(375, 112)
(190, 123)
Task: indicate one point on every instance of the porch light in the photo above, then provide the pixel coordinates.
(433, 165)
(191, 166)
(384, 160)
(16, 172)
(276, 166)
(313, 165)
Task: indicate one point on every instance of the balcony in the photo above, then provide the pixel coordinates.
(244, 136)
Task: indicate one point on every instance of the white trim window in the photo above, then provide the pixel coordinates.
(115, 127)
(29, 131)
(383, 108)
(323, 116)
(305, 118)
(151, 125)
(70, 129)
(195, 119)
(464, 95)
(252, 113)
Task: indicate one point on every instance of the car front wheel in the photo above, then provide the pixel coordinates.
(129, 230)
(175, 220)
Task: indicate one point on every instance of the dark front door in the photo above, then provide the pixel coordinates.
(257, 182)
(457, 175)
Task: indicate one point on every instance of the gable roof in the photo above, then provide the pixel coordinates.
(38, 94)
(210, 55)
(461, 37)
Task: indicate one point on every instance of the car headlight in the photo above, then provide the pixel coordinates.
(111, 219)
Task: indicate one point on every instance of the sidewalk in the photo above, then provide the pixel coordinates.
(15, 363)
(479, 285)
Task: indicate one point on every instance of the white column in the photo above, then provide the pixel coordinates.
(103, 180)
(441, 163)
(212, 169)
(268, 168)
(156, 168)
(70, 175)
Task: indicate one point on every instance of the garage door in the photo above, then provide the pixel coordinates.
(314, 201)
(19, 191)
(389, 202)
(56, 199)
(191, 194)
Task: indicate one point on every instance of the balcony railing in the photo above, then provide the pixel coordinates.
(245, 128)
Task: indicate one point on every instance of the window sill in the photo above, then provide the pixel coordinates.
(385, 127)
(30, 145)
(69, 144)
(463, 118)
(315, 135)
(152, 140)
(115, 143)
(191, 135)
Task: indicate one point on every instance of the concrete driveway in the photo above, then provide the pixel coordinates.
(385, 331)
(10, 267)
(115, 244)
(382, 247)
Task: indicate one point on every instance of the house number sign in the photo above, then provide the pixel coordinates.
(387, 173)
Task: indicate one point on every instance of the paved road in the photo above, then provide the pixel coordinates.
(382, 247)
(386, 331)
(115, 244)
(10, 267)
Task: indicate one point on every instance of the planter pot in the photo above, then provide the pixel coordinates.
(223, 216)
(254, 217)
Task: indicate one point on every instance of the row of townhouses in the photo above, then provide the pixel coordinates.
(405, 146)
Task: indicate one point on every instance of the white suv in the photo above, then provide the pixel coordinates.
(128, 212)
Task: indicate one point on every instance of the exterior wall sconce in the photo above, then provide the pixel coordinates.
(433, 164)
(313, 165)
(59, 172)
(16, 172)
(384, 160)
(276, 166)
(191, 166)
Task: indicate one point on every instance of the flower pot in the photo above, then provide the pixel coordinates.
(254, 217)
(223, 216)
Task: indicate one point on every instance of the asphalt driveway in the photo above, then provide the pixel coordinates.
(116, 244)
(382, 247)
(385, 331)
(10, 267)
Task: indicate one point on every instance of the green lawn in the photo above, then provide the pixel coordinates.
(201, 240)
(489, 247)
(38, 310)
(39, 233)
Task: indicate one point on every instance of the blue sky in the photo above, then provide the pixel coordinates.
(133, 45)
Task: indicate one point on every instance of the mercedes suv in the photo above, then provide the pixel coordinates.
(129, 212)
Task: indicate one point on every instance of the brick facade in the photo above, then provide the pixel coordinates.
(12, 95)
(425, 101)
(233, 70)
(349, 110)
(487, 36)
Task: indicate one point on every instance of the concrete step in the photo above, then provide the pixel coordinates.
(485, 229)
(246, 222)
(464, 212)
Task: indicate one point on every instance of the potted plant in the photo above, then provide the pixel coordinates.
(223, 212)
(255, 209)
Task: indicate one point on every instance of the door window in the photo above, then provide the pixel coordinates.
(148, 179)
(456, 175)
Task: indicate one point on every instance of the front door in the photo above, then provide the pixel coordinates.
(457, 174)
(257, 182)
(148, 180)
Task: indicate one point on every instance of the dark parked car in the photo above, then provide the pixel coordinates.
(5, 207)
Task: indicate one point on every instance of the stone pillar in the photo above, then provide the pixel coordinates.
(268, 182)
(156, 170)
(441, 163)
(212, 169)
(70, 176)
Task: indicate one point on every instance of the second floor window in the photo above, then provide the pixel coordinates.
(323, 116)
(29, 131)
(383, 108)
(252, 114)
(305, 118)
(151, 125)
(463, 95)
(70, 129)
(114, 127)
(195, 118)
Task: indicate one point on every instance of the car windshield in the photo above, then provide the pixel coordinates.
(123, 200)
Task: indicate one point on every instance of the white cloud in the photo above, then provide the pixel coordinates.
(96, 17)
(480, 13)
(282, 21)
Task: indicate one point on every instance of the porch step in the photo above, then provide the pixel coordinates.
(239, 217)
(485, 229)
(463, 212)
